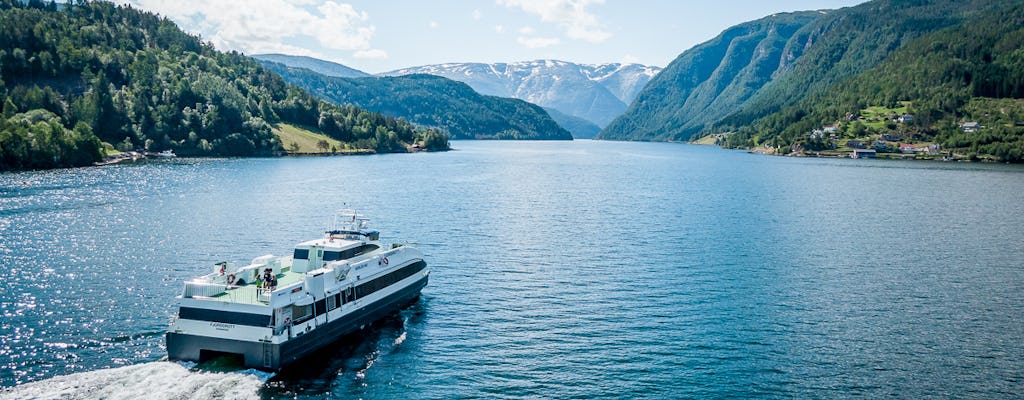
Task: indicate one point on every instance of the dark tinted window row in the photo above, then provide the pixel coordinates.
(227, 317)
(347, 254)
(387, 280)
(303, 254)
(350, 295)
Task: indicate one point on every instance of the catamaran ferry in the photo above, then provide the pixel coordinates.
(276, 310)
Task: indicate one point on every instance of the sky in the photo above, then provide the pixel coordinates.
(385, 35)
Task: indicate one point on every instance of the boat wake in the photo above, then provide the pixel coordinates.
(154, 380)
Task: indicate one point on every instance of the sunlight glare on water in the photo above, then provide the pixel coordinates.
(559, 270)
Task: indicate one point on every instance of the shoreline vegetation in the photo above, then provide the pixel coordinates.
(299, 142)
(895, 133)
(81, 80)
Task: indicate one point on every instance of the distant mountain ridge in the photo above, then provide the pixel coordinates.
(579, 127)
(597, 93)
(317, 65)
(434, 102)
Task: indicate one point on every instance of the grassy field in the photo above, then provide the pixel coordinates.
(710, 140)
(307, 140)
(876, 117)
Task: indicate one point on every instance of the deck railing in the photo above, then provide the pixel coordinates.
(202, 289)
(235, 294)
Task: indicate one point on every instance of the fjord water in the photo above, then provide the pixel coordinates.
(559, 270)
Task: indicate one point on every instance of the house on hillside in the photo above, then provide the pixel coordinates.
(907, 148)
(905, 119)
(891, 138)
(970, 127)
(855, 144)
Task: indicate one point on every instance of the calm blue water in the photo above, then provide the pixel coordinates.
(560, 270)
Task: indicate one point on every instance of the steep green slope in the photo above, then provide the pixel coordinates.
(709, 81)
(761, 67)
(971, 72)
(848, 42)
(86, 72)
(435, 102)
(578, 127)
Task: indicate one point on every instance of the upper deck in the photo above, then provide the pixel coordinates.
(350, 240)
(254, 293)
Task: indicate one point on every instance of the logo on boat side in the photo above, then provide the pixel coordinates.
(221, 326)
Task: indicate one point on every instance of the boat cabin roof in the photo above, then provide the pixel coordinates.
(335, 242)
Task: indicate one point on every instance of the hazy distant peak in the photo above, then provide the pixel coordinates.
(313, 64)
(595, 92)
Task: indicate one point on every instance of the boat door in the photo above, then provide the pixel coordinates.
(348, 295)
(283, 320)
(316, 257)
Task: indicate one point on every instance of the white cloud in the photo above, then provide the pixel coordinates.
(499, 28)
(375, 54)
(477, 14)
(528, 37)
(260, 26)
(569, 15)
(630, 59)
(433, 24)
(536, 42)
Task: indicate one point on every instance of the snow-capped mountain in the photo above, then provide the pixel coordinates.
(597, 93)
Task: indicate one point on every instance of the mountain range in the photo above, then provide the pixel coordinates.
(596, 93)
(317, 65)
(606, 86)
(432, 101)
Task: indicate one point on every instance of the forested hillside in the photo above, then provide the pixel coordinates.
(971, 72)
(434, 102)
(847, 42)
(710, 81)
(77, 74)
(741, 80)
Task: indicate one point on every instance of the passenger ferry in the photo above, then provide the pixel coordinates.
(276, 310)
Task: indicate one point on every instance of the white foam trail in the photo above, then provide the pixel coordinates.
(150, 381)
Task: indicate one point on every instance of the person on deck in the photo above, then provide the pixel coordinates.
(269, 280)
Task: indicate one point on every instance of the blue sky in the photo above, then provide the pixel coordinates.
(379, 36)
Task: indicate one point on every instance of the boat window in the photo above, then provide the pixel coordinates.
(332, 255)
(333, 302)
(389, 279)
(302, 313)
(301, 254)
(348, 296)
(227, 317)
(366, 248)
